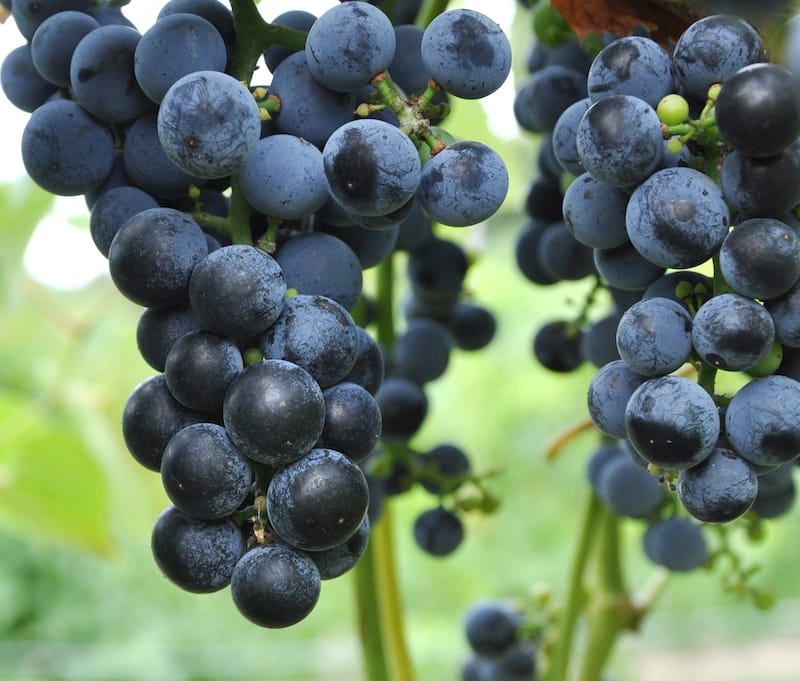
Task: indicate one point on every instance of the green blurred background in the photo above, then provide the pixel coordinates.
(82, 600)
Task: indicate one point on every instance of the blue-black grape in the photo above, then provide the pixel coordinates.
(562, 256)
(785, 311)
(631, 65)
(352, 420)
(564, 136)
(403, 407)
(677, 217)
(625, 268)
(438, 531)
(732, 333)
(763, 92)
(371, 246)
(316, 263)
(102, 78)
(54, 42)
(199, 368)
(308, 109)
(317, 334)
(197, 555)
(283, 395)
(421, 353)
(676, 543)
(672, 422)
(348, 45)
(443, 467)
(372, 167)
(556, 346)
(21, 82)
(153, 255)
(283, 177)
(609, 391)
(65, 150)
(168, 51)
(237, 291)
(619, 140)
(654, 336)
(113, 209)
(436, 270)
(463, 184)
(151, 417)
(368, 368)
(760, 258)
(337, 560)
(147, 165)
(762, 421)
(472, 326)
(28, 16)
(407, 68)
(545, 95)
(318, 501)
(762, 186)
(211, 10)
(628, 489)
(466, 53)
(203, 474)
(208, 124)
(712, 49)
(275, 586)
(594, 212)
(598, 341)
(719, 489)
(491, 627)
(159, 328)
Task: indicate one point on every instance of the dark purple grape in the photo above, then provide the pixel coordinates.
(237, 291)
(153, 255)
(337, 560)
(720, 489)
(199, 368)
(319, 501)
(765, 93)
(352, 421)
(203, 474)
(151, 417)
(438, 531)
(672, 422)
(197, 555)
(275, 585)
(283, 395)
(317, 334)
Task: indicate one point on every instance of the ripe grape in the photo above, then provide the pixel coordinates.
(275, 586)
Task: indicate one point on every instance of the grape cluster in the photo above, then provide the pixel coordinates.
(681, 191)
(241, 216)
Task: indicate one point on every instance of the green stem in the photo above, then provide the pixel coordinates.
(429, 11)
(388, 593)
(370, 629)
(610, 610)
(254, 36)
(562, 651)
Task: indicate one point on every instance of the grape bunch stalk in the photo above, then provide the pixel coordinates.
(240, 215)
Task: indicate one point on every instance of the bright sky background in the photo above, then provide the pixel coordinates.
(61, 255)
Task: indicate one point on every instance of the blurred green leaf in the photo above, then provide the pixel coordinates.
(50, 484)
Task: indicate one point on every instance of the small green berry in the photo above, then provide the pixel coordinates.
(674, 145)
(673, 110)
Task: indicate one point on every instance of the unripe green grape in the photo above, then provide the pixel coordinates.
(768, 365)
(672, 110)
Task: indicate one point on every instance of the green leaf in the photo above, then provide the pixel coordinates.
(51, 486)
